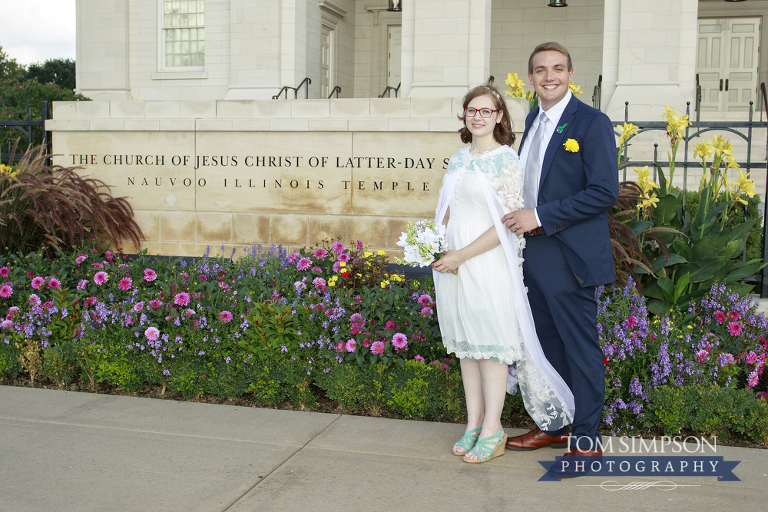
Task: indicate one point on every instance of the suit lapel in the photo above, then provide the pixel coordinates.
(557, 137)
(528, 122)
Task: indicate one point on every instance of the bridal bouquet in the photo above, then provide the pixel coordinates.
(422, 243)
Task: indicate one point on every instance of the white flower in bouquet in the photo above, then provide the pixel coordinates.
(422, 243)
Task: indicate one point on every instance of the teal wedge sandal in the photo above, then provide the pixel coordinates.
(485, 449)
(467, 441)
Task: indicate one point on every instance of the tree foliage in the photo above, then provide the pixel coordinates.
(54, 71)
(9, 68)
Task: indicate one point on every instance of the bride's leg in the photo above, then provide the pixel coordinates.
(473, 393)
(493, 379)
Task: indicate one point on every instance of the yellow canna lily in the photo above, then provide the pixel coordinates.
(627, 131)
(516, 86)
(704, 150)
(575, 89)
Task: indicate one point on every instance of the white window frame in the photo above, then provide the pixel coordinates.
(171, 72)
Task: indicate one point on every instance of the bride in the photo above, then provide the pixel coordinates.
(484, 315)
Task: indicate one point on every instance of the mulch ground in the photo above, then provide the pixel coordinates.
(325, 405)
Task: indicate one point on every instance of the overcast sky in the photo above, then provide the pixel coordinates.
(37, 30)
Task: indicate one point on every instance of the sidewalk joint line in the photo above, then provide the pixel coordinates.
(267, 475)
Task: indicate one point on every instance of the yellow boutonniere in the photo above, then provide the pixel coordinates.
(571, 145)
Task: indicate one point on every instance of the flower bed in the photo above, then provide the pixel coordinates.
(334, 320)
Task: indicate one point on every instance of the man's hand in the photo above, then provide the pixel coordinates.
(520, 221)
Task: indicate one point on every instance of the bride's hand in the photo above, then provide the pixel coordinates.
(448, 262)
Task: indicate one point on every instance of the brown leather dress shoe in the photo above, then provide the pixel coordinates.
(536, 439)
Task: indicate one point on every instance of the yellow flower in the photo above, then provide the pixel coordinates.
(516, 86)
(381, 253)
(8, 171)
(384, 284)
(575, 89)
(732, 163)
(571, 145)
(644, 180)
(743, 185)
(676, 125)
(627, 131)
(342, 264)
(367, 254)
(651, 202)
(704, 150)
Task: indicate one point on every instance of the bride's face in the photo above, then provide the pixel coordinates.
(478, 125)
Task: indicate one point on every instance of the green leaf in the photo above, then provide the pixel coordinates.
(666, 209)
(657, 307)
(640, 226)
(702, 270)
(667, 287)
(743, 270)
(680, 287)
(667, 261)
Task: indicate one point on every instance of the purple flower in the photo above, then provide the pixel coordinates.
(337, 247)
(343, 258)
(7, 324)
(320, 253)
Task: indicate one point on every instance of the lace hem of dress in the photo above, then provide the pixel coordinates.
(465, 351)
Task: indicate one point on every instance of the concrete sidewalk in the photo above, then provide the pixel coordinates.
(64, 451)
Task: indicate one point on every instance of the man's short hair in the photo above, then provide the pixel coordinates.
(545, 47)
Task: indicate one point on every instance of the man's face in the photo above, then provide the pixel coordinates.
(550, 77)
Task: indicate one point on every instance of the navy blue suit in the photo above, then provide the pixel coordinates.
(563, 266)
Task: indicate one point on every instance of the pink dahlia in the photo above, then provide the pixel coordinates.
(181, 299)
(7, 324)
(12, 312)
(293, 257)
(719, 316)
(357, 317)
(125, 284)
(750, 358)
(359, 245)
(377, 348)
(152, 333)
(734, 328)
(81, 258)
(300, 285)
(225, 316)
(320, 253)
(425, 311)
(351, 345)
(702, 356)
(54, 283)
(37, 282)
(6, 290)
(304, 264)
(48, 305)
(337, 247)
(155, 304)
(138, 306)
(336, 267)
(425, 300)
(343, 258)
(149, 275)
(418, 358)
(100, 278)
(752, 379)
(341, 346)
(354, 328)
(109, 255)
(4, 272)
(319, 283)
(734, 315)
(399, 341)
(317, 269)
(97, 264)
(389, 324)
(90, 301)
(630, 322)
(34, 300)
(82, 284)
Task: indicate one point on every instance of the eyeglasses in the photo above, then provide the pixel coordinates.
(484, 112)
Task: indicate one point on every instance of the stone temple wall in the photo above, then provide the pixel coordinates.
(233, 174)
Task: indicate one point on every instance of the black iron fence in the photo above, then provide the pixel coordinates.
(29, 128)
(744, 130)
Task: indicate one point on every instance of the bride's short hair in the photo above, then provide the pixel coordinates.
(502, 133)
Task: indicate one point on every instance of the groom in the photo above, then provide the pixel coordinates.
(571, 181)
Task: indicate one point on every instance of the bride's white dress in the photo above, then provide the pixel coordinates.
(483, 310)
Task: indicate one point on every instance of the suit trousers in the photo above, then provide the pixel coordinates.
(565, 314)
